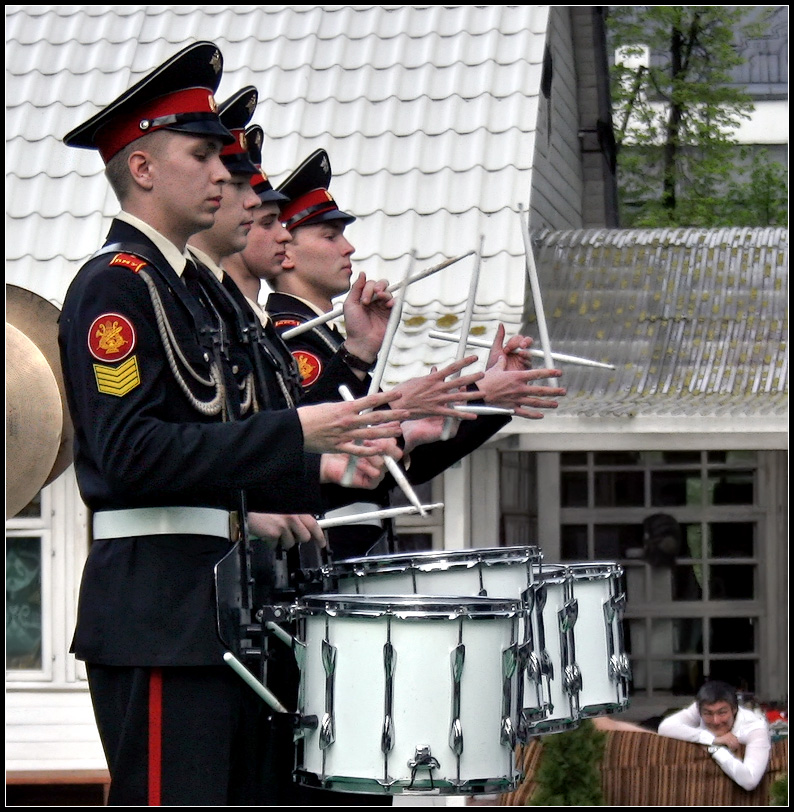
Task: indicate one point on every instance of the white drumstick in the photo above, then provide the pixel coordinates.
(391, 464)
(556, 356)
(386, 513)
(253, 682)
(465, 326)
(532, 273)
(483, 410)
(338, 309)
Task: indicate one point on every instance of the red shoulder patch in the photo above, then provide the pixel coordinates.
(281, 323)
(130, 261)
(309, 366)
(111, 337)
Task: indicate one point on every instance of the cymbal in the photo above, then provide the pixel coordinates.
(34, 419)
(37, 318)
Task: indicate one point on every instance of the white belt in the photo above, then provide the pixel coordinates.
(354, 510)
(162, 521)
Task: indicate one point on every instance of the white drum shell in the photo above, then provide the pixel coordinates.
(422, 699)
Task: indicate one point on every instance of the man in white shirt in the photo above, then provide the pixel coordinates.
(716, 720)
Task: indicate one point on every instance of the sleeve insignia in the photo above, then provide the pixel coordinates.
(309, 366)
(281, 324)
(130, 261)
(111, 337)
(117, 381)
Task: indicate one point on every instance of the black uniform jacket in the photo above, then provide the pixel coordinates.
(148, 433)
(323, 370)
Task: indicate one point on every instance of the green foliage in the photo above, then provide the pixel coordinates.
(778, 792)
(676, 115)
(568, 773)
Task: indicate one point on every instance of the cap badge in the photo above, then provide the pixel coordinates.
(212, 103)
(216, 61)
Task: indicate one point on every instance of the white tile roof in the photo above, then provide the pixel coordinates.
(427, 112)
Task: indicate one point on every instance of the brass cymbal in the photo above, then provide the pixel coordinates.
(37, 318)
(34, 420)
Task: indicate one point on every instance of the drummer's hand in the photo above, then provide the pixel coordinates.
(369, 471)
(428, 430)
(367, 308)
(286, 530)
(433, 395)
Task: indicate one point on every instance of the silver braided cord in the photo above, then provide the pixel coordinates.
(210, 407)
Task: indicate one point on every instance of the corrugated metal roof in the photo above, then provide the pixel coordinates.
(694, 320)
(427, 112)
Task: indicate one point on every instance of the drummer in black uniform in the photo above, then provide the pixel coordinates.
(316, 269)
(168, 446)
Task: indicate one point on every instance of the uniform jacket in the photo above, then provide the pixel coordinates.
(148, 436)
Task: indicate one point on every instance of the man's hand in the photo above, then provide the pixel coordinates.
(433, 395)
(286, 530)
(508, 378)
(728, 740)
(366, 309)
(369, 471)
(336, 427)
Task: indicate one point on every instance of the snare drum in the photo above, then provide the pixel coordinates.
(600, 652)
(412, 694)
(495, 572)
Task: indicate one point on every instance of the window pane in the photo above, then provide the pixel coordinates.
(734, 635)
(731, 582)
(23, 602)
(688, 635)
(731, 540)
(739, 673)
(687, 677)
(617, 457)
(414, 542)
(686, 586)
(670, 488)
(727, 457)
(734, 488)
(573, 542)
(613, 540)
(573, 489)
(573, 458)
(619, 489)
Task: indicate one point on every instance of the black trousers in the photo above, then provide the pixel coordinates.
(181, 736)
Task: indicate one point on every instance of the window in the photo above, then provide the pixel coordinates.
(685, 527)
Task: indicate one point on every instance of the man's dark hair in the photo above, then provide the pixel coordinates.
(716, 691)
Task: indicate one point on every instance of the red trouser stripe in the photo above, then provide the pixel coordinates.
(155, 736)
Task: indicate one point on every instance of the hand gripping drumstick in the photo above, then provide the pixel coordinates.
(532, 274)
(380, 366)
(392, 465)
(465, 325)
(337, 310)
(556, 356)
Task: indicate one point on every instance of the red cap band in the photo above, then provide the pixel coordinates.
(125, 129)
(240, 145)
(308, 205)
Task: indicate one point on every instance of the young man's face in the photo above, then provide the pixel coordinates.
(266, 247)
(320, 255)
(233, 222)
(188, 181)
(718, 717)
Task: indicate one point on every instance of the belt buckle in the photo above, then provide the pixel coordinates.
(235, 526)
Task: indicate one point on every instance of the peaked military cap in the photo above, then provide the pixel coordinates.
(178, 96)
(255, 136)
(310, 200)
(235, 113)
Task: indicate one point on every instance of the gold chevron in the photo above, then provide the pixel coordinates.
(117, 380)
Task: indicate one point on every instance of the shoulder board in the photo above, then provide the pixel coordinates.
(130, 261)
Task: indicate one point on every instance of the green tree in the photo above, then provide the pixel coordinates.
(568, 773)
(675, 116)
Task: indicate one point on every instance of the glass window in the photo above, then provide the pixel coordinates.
(573, 488)
(573, 543)
(620, 489)
(731, 540)
(732, 582)
(23, 602)
(734, 488)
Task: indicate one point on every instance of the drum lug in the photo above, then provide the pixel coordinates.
(422, 760)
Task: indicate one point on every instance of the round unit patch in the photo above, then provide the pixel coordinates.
(309, 366)
(111, 337)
